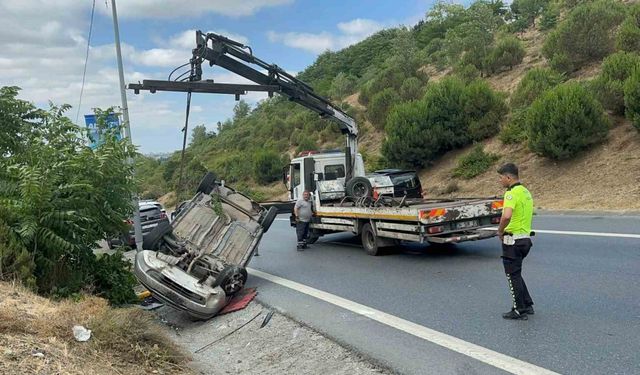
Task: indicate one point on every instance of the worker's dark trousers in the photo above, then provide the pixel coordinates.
(302, 229)
(512, 257)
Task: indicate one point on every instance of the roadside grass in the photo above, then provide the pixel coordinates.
(123, 341)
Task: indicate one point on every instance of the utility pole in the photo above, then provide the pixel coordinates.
(137, 226)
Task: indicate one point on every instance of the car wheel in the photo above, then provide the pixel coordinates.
(268, 219)
(207, 183)
(151, 240)
(232, 279)
(369, 240)
(359, 187)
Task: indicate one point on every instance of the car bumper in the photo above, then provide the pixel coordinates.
(177, 288)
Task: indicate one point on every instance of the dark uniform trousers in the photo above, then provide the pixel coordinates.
(302, 230)
(512, 257)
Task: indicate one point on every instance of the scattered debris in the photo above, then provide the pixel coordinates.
(267, 319)
(37, 353)
(228, 334)
(81, 334)
(150, 303)
(239, 301)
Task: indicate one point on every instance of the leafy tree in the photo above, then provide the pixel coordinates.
(609, 86)
(585, 35)
(199, 135)
(412, 88)
(632, 98)
(550, 17)
(564, 121)
(484, 110)
(241, 110)
(507, 53)
(534, 83)
(381, 104)
(342, 85)
(57, 196)
(528, 10)
(267, 166)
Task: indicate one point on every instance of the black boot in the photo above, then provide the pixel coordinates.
(516, 315)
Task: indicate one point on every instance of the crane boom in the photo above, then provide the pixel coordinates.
(239, 59)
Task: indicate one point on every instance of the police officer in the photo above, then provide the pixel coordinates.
(514, 233)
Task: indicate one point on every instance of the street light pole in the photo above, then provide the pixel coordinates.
(137, 226)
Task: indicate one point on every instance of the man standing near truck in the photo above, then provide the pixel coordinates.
(303, 211)
(514, 233)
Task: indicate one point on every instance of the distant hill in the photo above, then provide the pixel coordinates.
(373, 79)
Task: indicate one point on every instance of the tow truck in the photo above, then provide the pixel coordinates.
(346, 199)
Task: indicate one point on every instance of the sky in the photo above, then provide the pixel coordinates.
(43, 47)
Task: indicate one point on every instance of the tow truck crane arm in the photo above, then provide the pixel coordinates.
(239, 59)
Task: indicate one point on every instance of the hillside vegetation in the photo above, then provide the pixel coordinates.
(550, 81)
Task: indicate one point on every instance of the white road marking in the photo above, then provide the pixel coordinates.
(279, 219)
(490, 357)
(573, 233)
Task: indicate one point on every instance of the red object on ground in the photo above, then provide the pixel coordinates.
(240, 301)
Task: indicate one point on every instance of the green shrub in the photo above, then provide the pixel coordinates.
(15, 261)
(484, 110)
(381, 104)
(412, 88)
(467, 73)
(114, 280)
(507, 53)
(549, 17)
(474, 163)
(267, 166)
(449, 116)
(585, 35)
(609, 86)
(515, 131)
(564, 121)
(526, 11)
(628, 37)
(533, 84)
(632, 98)
(306, 143)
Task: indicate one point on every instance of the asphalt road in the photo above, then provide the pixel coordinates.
(586, 291)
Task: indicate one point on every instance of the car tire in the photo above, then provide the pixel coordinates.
(232, 279)
(369, 240)
(268, 218)
(151, 240)
(359, 187)
(207, 183)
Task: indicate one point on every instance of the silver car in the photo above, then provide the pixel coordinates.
(197, 263)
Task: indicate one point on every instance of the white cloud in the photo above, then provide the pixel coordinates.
(350, 33)
(187, 38)
(194, 8)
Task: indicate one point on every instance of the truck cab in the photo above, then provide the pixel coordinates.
(321, 171)
(324, 173)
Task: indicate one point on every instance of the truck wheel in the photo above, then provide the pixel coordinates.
(359, 187)
(268, 219)
(151, 240)
(207, 183)
(369, 240)
(231, 279)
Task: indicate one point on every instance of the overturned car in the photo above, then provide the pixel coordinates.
(197, 263)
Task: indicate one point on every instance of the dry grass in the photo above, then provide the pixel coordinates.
(123, 341)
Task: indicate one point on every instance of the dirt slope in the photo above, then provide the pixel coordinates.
(607, 177)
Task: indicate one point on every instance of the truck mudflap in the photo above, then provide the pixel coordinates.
(472, 235)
